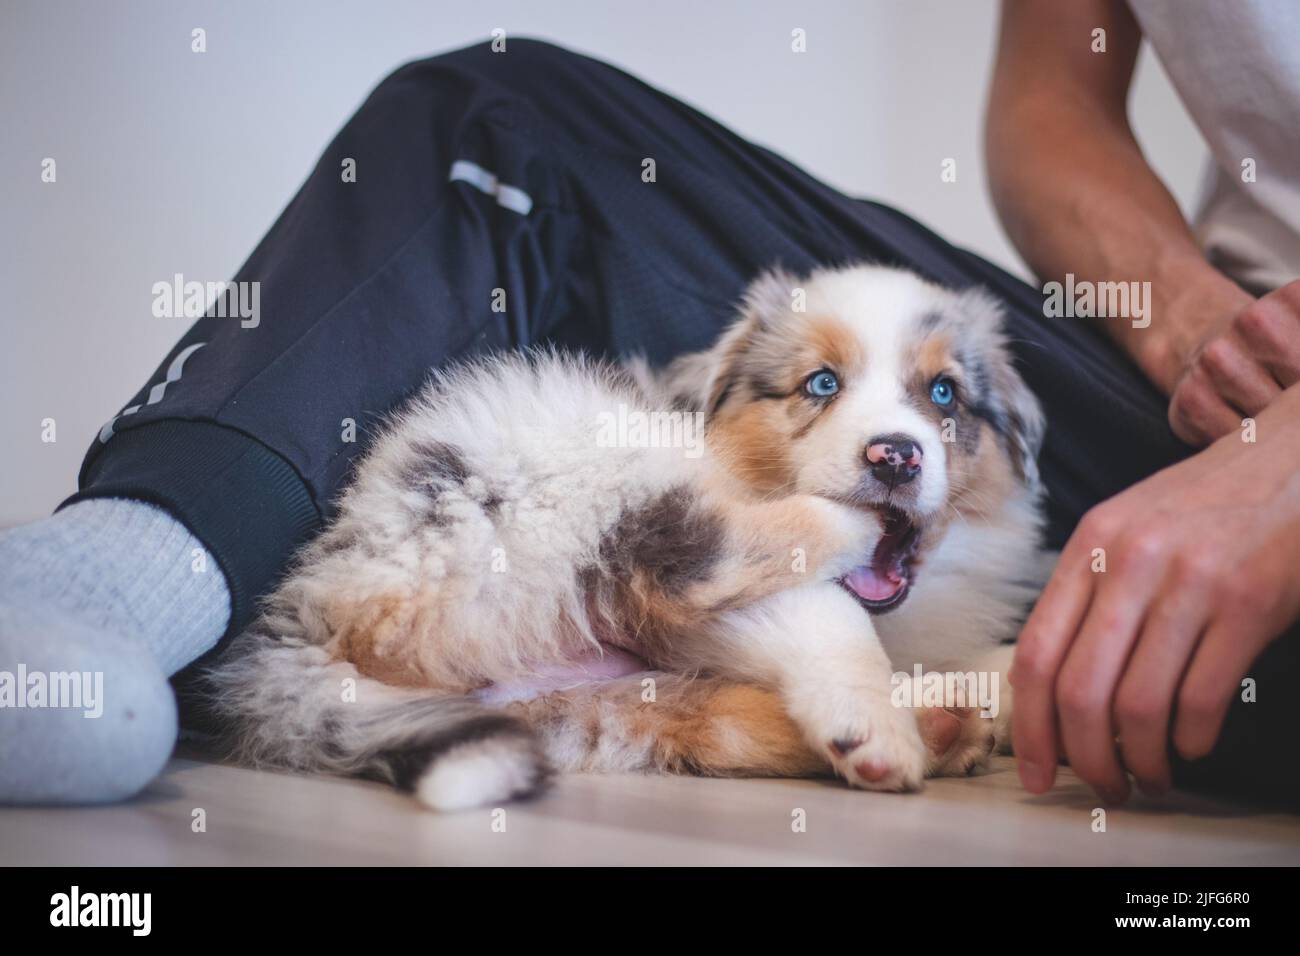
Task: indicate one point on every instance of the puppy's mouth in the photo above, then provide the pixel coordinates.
(883, 583)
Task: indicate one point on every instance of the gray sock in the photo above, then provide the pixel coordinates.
(117, 591)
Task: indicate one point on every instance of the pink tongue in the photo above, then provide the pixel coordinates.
(870, 585)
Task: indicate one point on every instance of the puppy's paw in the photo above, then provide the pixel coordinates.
(879, 750)
(483, 772)
(957, 740)
(848, 534)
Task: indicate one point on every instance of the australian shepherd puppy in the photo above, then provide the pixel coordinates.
(514, 585)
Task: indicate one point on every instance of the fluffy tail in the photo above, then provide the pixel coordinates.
(283, 702)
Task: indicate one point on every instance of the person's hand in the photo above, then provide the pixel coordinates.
(1239, 368)
(1199, 576)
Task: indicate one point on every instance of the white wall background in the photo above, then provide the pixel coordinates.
(171, 161)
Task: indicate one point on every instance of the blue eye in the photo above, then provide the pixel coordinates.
(822, 384)
(943, 391)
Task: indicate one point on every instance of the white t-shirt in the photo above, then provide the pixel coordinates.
(1236, 66)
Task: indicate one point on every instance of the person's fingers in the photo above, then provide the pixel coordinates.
(1144, 702)
(1239, 379)
(1086, 685)
(1043, 643)
(1197, 413)
(1270, 329)
(1210, 684)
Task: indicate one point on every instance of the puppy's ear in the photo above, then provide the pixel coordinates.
(770, 298)
(687, 380)
(1009, 406)
(1026, 424)
(705, 381)
(767, 304)
(702, 381)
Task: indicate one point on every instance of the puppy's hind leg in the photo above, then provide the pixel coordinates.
(672, 724)
(713, 727)
(962, 737)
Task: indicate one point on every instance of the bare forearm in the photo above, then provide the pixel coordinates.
(1077, 196)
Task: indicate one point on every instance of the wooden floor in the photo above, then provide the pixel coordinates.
(261, 818)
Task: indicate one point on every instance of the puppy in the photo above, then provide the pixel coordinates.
(522, 577)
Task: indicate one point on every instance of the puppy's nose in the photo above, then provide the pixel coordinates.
(894, 459)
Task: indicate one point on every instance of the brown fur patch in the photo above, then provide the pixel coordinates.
(833, 345)
(701, 725)
(720, 729)
(933, 355)
(381, 637)
(753, 440)
(981, 482)
(375, 637)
